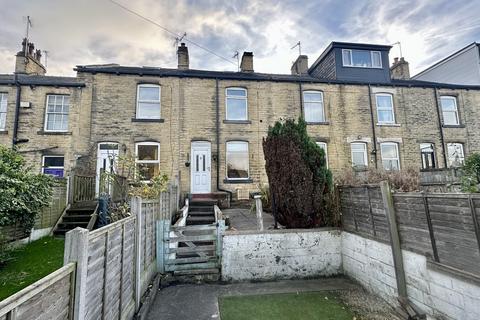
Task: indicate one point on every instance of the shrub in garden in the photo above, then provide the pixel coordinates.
(299, 180)
(471, 174)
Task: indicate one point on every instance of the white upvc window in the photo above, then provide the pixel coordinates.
(3, 111)
(359, 154)
(57, 110)
(449, 110)
(237, 160)
(456, 156)
(361, 58)
(390, 156)
(53, 165)
(313, 106)
(148, 101)
(147, 158)
(385, 111)
(323, 145)
(236, 104)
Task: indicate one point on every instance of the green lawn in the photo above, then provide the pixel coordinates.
(29, 264)
(301, 306)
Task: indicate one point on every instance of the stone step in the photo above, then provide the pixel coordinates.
(195, 276)
(200, 208)
(210, 203)
(73, 217)
(201, 213)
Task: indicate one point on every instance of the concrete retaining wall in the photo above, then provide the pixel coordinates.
(281, 254)
(438, 293)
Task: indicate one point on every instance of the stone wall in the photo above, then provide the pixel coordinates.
(281, 254)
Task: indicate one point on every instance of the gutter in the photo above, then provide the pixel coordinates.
(440, 128)
(17, 112)
(374, 135)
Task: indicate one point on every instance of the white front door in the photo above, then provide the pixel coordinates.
(107, 153)
(200, 167)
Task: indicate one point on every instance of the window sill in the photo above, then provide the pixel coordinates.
(148, 120)
(237, 121)
(388, 124)
(321, 123)
(453, 126)
(3, 132)
(54, 133)
(238, 181)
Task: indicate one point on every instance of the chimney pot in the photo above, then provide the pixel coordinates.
(182, 55)
(247, 62)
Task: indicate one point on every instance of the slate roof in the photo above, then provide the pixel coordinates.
(38, 80)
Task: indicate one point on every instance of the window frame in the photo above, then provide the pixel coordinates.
(3, 97)
(378, 108)
(397, 149)
(365, 153)
(137, 161)
(449, 164)
(159, 101)
(45, 128)
(227, 156)
(325, 148)
(352, 65)
(321, 101)
(237, 98)
(457, 114)
(53, 167)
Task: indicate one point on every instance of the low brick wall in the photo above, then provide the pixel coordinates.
(281, 254)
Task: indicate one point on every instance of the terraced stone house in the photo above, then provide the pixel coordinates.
(205, 128)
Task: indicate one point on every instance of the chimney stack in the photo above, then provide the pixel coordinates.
(247, 62)
(182, 54)
(27, 61)
(400, 69)
(300, 66)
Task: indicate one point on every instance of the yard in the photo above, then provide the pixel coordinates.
(305, 305)
(29, 264)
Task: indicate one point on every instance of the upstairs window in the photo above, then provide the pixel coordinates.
(427, 152)
(359, 154)
(449, 110)
(361, 58)
(3, 111)
(385, 111)
(236, 104)
(53, 165)
(148, 101)
(323, 146)
(456, 157)
(390, 156)
(58, 107)
(237, 160)
(147, 159)
(313, 106)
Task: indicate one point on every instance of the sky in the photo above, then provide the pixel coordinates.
(83, 32)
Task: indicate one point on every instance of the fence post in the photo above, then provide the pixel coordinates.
(394, 240)
(76, 250)
(70, 186)
(220, 232)
(259, 211)
(136, 207)
(160, 248)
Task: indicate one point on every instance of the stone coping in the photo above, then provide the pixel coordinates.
(280, 231)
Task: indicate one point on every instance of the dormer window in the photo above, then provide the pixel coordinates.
(361, 58)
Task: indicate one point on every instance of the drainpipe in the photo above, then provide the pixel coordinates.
(300, 88)
(217, 128)
(440, 128)
(17, 112)
(372, 118)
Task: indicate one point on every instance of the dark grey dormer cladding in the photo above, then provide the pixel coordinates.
(330, 64)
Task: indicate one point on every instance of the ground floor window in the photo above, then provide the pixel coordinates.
(359, 154)
(456, 157)
(237, 160)
(147, 159)
(323, 145)
(427, 152)
(390, 156)
(3, 111)
(53, 165)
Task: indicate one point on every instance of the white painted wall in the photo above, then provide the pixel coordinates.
(281, 254)
(439, 294)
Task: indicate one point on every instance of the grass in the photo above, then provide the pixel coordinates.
(299, 306)
(29, 264)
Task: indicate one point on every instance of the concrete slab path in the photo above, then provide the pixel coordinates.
(244, 219)
(200, 302)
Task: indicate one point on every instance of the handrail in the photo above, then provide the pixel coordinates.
(218, 213)
(93, 218)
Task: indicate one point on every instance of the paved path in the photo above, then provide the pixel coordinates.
(244, 219)
(200, 302)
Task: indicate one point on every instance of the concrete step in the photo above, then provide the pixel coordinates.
(200, 208)
(196, 276)
(200, 220)
(201, 213)
(74, 218)
(203, 202)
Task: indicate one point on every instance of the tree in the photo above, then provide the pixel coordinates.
(22, 193)
(299, 180)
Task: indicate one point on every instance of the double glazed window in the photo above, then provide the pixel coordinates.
(53, 165)
(449, 110)
(58, 108)
(456, 157)
(390, 156)
(148, 101)
(427, 152)
(323, 146)
(313, 106)
(237, 160)
(147, 159)
(3, 111)
(361, 58)
(359, 154)
(385, 111)
(236, 104)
